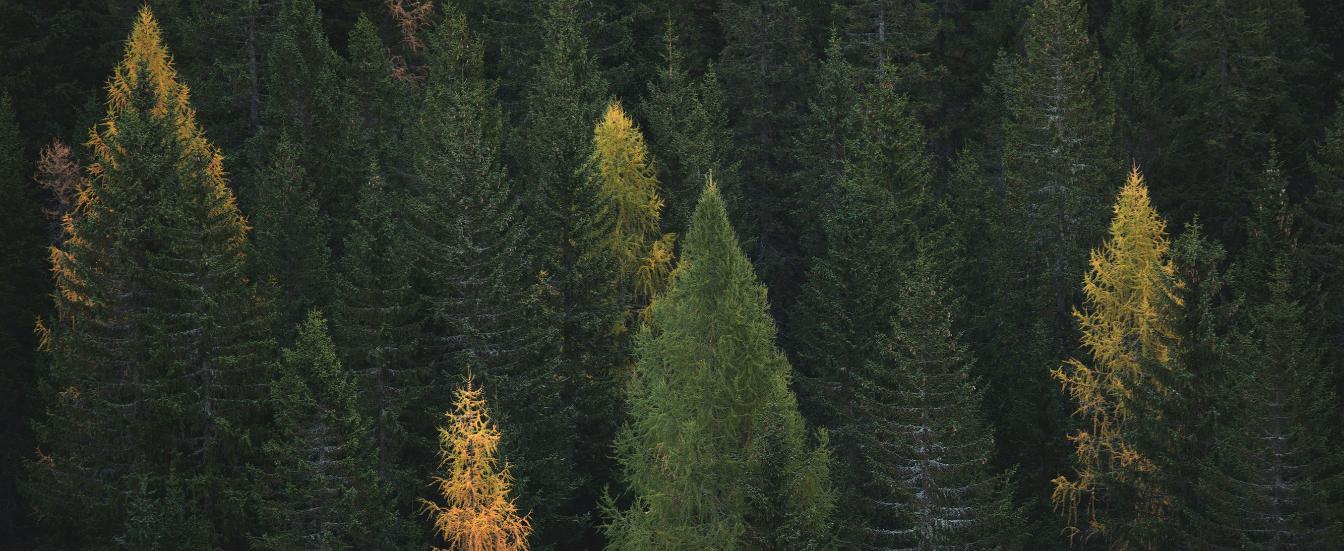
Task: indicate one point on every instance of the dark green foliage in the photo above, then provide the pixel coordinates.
(1241, 81)
(376, 319)
(1272, 477)
(689, 135)
(1058, 172)
(1323, 239)
(157, 346)
(527, 302)
(290, 239)
(716, 453)
(822, 143)
(925, 450)
(320, 470)
(767, 71)
(22, 285)
(306, 96)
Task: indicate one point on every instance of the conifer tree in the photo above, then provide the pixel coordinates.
(477, 513)
(1127, 325)
(627, 175)
(925, 480)
(306, 96)
(321, 469)
(689, 134)
(1057, 169)
(890, 36)
(1323, 239)
(22, 283)
(829, 127)
(870, 221)
(1241, 82)
(376, 319)
(716, 454)
(1271, 477)
(767, 72)
(571, 225)
(290, 240)
(157, 340)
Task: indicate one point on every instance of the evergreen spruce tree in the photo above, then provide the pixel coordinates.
(924, 453)
(325, 492)
(716, 454)
(887, 36)
(157, 342)
(1132, 304)
(767, 71)
(829, 127)
(1323, 239)
(689, 134)
(376, 319)
(290, 240)
(478, 513)
(1058, 165)
(1243, 79)
(571, 223)
(306, 96)
(870, 223)
(22, 282)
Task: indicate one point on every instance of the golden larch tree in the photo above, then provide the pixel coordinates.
(622, 164)
(1131, 298)
(477, 513)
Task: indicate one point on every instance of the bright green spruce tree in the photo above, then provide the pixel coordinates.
(570, 220)
(157, 345)
(323, 490)
(716, 454)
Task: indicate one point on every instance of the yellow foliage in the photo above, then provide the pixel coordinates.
(477, 514)
(621, 162)
(1131, 292)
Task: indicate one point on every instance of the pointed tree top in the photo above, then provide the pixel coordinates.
(145, 57)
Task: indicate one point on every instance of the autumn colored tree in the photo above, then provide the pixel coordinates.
(158, 340)
(1127, 324)
(473, 510)
(716, 454)
(621, 165)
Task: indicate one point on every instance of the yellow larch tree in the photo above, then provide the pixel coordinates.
(621, 162)
(1131, 300)
(477, 513)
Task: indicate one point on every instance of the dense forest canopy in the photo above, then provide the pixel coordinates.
(681, 275)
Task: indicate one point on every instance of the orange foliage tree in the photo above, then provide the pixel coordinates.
(477, 513)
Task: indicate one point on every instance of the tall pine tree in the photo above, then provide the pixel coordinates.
(1127, 327)
(925, 451)
(1058, 166)
(325, 492)
(716, 453)
(157, 343)
(571, 223)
